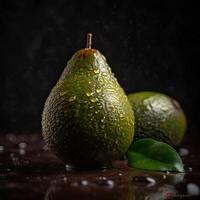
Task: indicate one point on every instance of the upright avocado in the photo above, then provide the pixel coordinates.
(158, 116)
(87, 119)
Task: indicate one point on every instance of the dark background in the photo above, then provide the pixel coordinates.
(149, 46)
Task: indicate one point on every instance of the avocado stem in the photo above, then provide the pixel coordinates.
(89, 41)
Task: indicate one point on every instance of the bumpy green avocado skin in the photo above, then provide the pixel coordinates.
(87, 119)
(158, 116)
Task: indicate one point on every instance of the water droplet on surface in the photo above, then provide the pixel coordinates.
(183, 152)
(88, 94)
(110, 183)
(120, 174)
(12, 155)
(26, 161)
(2, 148)
(102, 178)
(80, 183)
(11, 137)
(190, 169)
(75, 184)
(151, 181)
(143, 179)
(93, 100)
(84, 182)
(164, 176)
(63, 93)
(22, 145)
(105, 183)
(193, 189)
(15, 161)
(68, 167)
(45, 147)
(22, 151)
(98, 90)
(96, 71)
(121, 115)
(72, 98)
(167, 172)
(54, 182)
(65, 179)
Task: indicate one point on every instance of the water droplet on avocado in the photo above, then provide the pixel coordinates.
(89, 114)
(102, 120)
(63, 93)
(96, 71)
(121, 115)
(72, 98)
(98, 90)
(93, 100)
(88, 94)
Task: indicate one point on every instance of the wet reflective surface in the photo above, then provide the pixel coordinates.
(29, 171)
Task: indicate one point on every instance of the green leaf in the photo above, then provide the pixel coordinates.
(149, 154)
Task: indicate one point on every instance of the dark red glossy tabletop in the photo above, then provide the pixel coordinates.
(28, 170)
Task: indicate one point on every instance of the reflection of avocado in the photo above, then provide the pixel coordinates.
(158, 116)
(87, 118)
